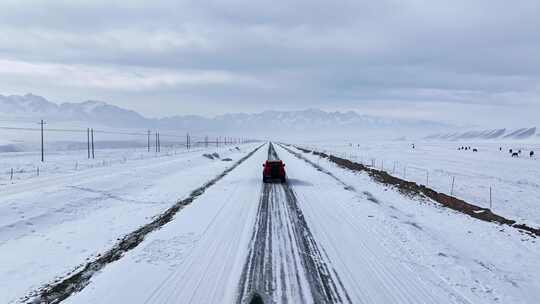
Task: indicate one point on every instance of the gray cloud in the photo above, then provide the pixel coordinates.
(215, 56)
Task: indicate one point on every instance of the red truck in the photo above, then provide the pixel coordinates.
(274, 170)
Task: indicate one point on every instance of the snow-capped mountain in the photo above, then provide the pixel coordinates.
(522, 133)
(33, 106)
(268, 122)
(27, 105)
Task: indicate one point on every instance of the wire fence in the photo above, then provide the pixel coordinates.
(481, 190)
(151, 138)
(47, 149)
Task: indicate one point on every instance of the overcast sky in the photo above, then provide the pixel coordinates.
(458, 61)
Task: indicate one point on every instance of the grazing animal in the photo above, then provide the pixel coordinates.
(515, 154)
(475, 150)
(500, 148)
(510, 151)
(519, 151)
(531, 154)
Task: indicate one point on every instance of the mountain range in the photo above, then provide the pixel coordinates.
(314, 121)
(490, 134)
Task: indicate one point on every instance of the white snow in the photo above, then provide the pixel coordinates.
(471, 259)
(384, 247)
(196, 258)
(514, 182)
(53, 223)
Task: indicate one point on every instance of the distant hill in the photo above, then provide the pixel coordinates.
(516, 134)
(33, 106)
(311, 121)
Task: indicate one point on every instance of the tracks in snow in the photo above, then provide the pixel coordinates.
(284, 263)
(58, 291)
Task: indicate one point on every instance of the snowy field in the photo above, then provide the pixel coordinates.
(51, 224)
(514, 182)
(329, 235)
(66, 148)
(378, 246)
(483, 262)
(27, 165)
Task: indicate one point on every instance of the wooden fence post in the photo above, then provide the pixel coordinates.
(88, 141)
(92, 138)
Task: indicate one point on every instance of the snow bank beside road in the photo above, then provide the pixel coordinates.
(515, 183)
(484, 262)
(72, 216)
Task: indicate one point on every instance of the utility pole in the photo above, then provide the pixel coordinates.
(158, 148)
(148, 140)
(88, 141)
(92, 136)
(42, 145)
(187, 141)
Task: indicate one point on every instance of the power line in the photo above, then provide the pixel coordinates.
(84, 131)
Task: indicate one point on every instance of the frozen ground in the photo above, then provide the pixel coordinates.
(484, 262)
(52, 223)
(372, 244)
(329, 235)
(514, 182)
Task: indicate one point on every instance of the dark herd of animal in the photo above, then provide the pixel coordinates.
(467, 148)
(518, 153)
(510, 151)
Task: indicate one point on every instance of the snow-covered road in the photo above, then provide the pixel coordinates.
(51, 225)
(196, 258)
(285, 263)
(369, 272)
(484, 262)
